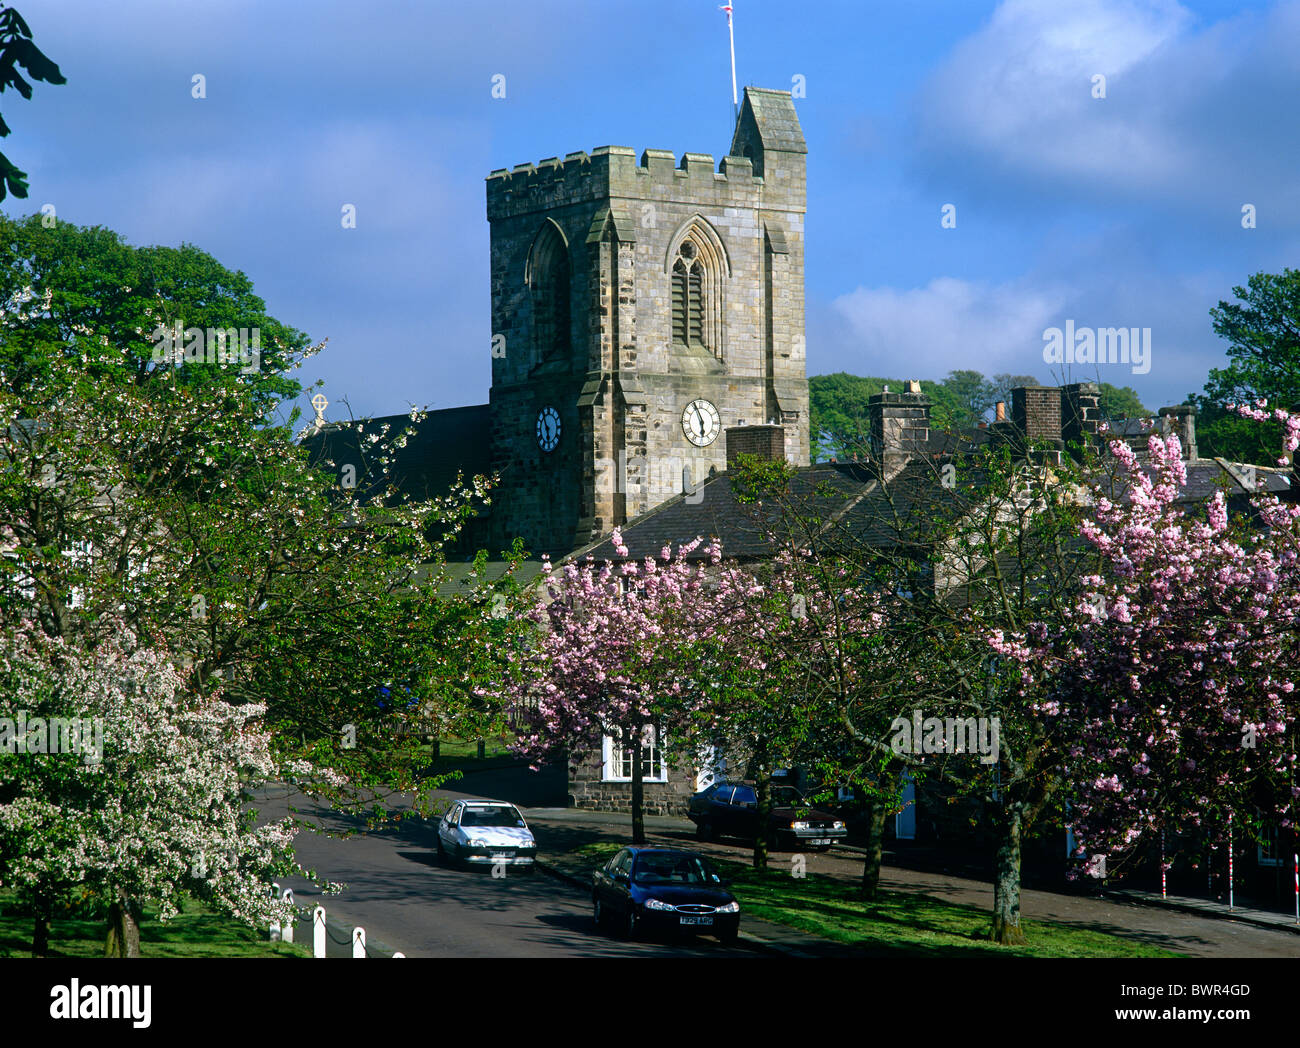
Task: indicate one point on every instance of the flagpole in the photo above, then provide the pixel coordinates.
(731, 33)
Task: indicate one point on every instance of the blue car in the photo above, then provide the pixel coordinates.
(664, 890)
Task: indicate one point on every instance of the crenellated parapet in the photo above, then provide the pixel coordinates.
(616, 170)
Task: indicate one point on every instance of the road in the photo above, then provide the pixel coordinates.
(403, 896)
(408, 900)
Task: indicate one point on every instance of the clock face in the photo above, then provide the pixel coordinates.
(548, 429)
(701, 423)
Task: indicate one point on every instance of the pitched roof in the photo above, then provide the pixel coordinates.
(438, 447)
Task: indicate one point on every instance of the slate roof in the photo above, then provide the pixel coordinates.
(444, 443)
(849, 498)
(845, 495)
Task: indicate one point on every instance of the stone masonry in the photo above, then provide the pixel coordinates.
(608, 227)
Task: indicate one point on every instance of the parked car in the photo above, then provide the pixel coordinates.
(486, 833)
(730, 809)
(661, 889)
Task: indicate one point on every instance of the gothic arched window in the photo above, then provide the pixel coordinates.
(548, 286)
(688, 303)
(697, 267)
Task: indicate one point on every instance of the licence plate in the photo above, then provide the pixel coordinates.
(697, 920)
(820, 840)
(503, 855)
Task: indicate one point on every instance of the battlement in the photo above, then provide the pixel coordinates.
(593, 175)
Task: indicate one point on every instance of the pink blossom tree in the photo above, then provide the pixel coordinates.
(613, 659)
(1173, 675)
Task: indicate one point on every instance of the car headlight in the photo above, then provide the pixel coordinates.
(658, 904)
(478, 842)
(799, 825)
(731, 907)
(837, 825)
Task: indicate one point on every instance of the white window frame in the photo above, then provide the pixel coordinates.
(609, 763)
(1273, 833)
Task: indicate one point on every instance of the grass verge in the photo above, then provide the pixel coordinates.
(198, 931)
(896, 924)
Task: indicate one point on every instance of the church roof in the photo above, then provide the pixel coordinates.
(439, 446)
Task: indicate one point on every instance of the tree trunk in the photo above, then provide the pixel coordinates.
(875, 851)
(40, 930)
(1006, 875)
(763, 787)
(638, 789)
(123, 928)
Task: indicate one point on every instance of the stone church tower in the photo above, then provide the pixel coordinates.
(639, 308)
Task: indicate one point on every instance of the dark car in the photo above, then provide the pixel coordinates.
(658, 889)
(730, 809)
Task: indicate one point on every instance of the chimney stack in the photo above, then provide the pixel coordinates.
(1181, 419)
(767, 442)
(1036, 411)
(1080, 412)
(900, 423)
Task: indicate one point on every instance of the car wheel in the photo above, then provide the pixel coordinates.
(728, 938)
(630, 925)
(598, 913)
(704, 831)
(442, 853)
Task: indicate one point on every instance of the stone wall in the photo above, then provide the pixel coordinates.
(588, 790)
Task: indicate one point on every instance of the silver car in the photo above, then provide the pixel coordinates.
(486, 833)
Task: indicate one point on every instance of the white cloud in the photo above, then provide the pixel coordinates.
(951, 324)
(1185, 113)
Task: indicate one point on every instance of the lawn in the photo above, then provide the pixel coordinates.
(897, 923)
(197, 932)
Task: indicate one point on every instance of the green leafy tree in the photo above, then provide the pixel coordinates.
(1004, 383)
(971, 396)
(112, 304)
(18, 51)
(181, 510)
(1262, 329)
(1116, 402)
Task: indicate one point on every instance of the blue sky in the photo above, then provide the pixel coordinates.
(1122, 211)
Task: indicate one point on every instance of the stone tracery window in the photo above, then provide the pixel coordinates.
(698, 267)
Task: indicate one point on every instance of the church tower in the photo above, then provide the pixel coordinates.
(640, 307)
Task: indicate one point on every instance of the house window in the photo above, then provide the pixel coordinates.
(1268, 850)
(616, 761)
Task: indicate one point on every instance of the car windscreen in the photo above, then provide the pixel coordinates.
(673, 869)
(491, 817)
(787, 797)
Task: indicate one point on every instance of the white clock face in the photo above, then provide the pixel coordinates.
(548, 429)
(701, 423)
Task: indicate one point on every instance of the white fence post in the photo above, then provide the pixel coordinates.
(318, 932)
(275, 925)
(358, 942)
(287, 933)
